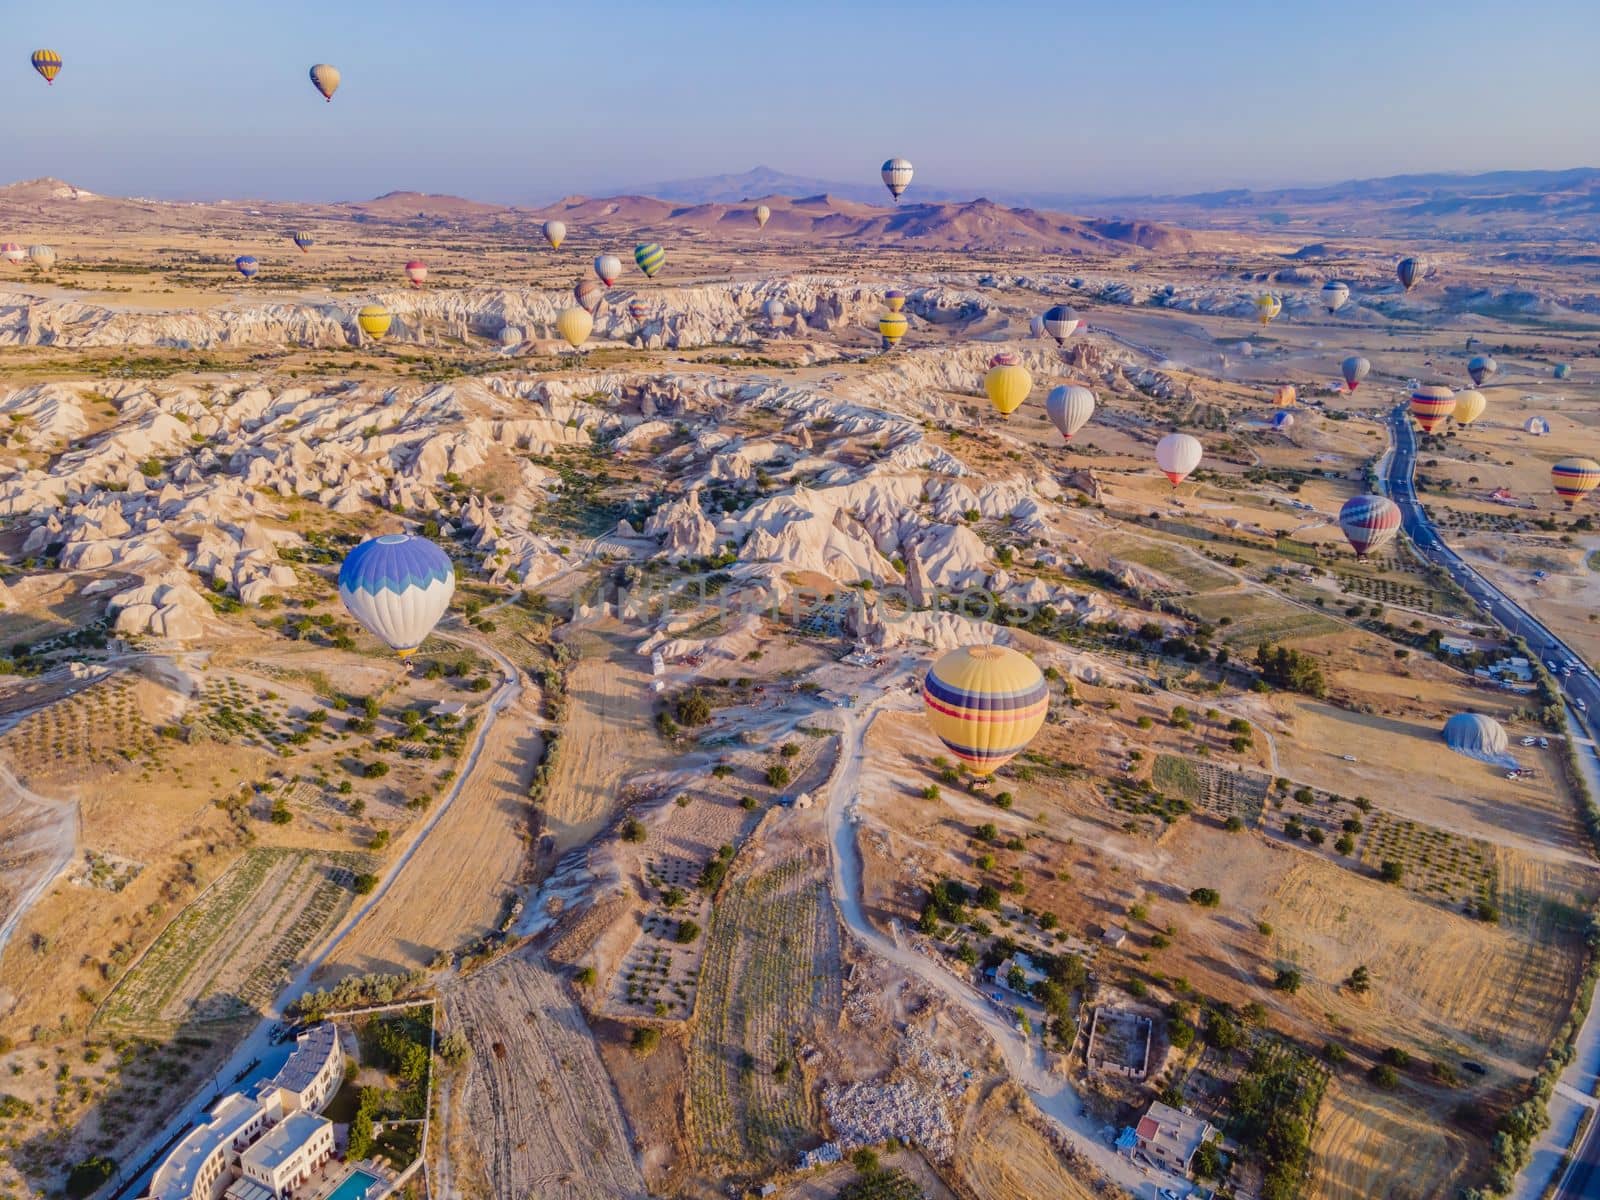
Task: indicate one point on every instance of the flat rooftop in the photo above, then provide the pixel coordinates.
(175, 1178)
(283, 1140)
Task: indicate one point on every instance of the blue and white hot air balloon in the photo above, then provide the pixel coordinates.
(398, 587)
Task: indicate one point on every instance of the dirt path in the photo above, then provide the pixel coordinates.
(536, 1096)
(37, 841)
(606, 736)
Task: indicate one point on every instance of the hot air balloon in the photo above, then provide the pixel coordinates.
(1469, 406)
(1432, 405)
(1069, 408)
(554, 233)
(774, 311)
(1268, 306)
(1178, 454)
(762, 214)
(608, 267)
(588, 293)
(417, 272)
(985, 703)
(636, 310)
(247, 266)
(1281, 420)
(1355, 369)
(1286, 396)
(1411, 272)
(896, 177)
(42, 257)
(1574, 478)
(1007, 384)
(893, 326)
(1482, 367)
(47, 63)
(303, 239)
(1060, 322)
(12, 253)
(374, 320)
(894, 299)
(1562, 370)
(398, 587)
(1369, 522)
(575, 325)
(1036, 325)
(1537, 426)
(650, 257)
(1335, 295)
(326, 80)
(510, 336)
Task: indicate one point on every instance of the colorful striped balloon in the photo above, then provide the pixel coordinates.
(985, 703)
(649, 256)
(398, 586)
(895, 299)
(12, 253)
(1369, 522)
(893, 326)
(303, 239)
(1432, 405)
(417, 272)
(247, 266)
(47, 63)
(1574, 478)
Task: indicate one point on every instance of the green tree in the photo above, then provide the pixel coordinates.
(692, 708)
(1205, 897)
(645, 1039)
(1359, 980)
(1288, 980)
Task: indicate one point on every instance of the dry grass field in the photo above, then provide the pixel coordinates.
(536, 1099)
(1373, 1146)
(1001, 1156)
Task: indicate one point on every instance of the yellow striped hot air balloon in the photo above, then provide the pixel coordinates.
(892, 326)
(985, 703)
(47, 63)
(1267, 307)
(574, 325)
(374, 320)
(650, 257)
(1007, 384)
(1432, 405)
(1574, 478)
(1470, 405)
(895, 299)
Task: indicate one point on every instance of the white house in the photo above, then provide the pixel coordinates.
(1170, 1136)
(287, 1155)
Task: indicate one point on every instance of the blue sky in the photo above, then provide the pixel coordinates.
(522, 102)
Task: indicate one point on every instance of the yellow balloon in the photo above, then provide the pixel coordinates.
(575, 324)
(374, 320)
(1469, 406)
(985, 703)
(892, 326)
(1007, 386)
(1286, 396)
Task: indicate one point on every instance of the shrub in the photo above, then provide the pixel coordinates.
(365, 884)
(688, 931)
(1359, 980)
(586, 976)
(1288, 980)
(645, 1039)
(87, 1176)
(1205, 897)
(692, 708)
(1391, 871)
(777, 775)
(1384, 1076)
(633, 830)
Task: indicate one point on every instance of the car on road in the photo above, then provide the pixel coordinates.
(1544, 743)
(1550, 665)
(1476, 1068)
(1578, 702)
(1349, 758)
(1528, 741)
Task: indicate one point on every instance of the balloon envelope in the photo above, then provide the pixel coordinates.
(1470, 405)
(1069, 408)
(1178, 454)
(43, 257)
(303, 239)
(326, 80)
(1537, 426)
(1369, 522)
(575, 325)
(554, 232)
(1432, 405)
(893, 326)
(374, 320)
(417, 272)
(12, 253)
(1282, 419)
(985, 703)
(1335, 294)
(47, 63)
(1481, 367)
(636, 309)
(608, 267)
(650, 256)
(896, 175)
(1286, 396)
(1562, 370)
(773, 311)
(397, 586)
(1355, 369)
(1060, 322)
(1574, 478)
(589, 293)
(1410, 272)
(763, 214)
(895, 299)
(247, 266)
(1007, 385)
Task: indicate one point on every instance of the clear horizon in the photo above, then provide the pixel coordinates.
(522, 107)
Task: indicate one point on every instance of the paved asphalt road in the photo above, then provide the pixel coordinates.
(1582, 1179)
(1581, 685)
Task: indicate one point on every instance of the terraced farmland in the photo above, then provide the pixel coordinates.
(226, 954)
(771, 970)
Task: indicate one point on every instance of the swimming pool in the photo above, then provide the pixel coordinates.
(358, 1185)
